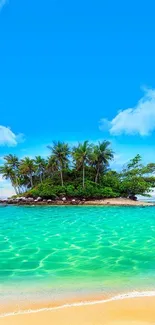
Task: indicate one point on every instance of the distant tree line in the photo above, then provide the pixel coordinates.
(82, 171)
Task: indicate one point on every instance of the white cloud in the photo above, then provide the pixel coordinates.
(2, 3)
(8, 138)
(138, 120)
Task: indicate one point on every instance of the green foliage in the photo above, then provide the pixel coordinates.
(81, 155)
(109, 192)
(91, 190)
(100, 157)
(42, 190)
(111, 179)
(135, 185)
(82, 172)
(70, 190)
(134, 178)
(59, 158)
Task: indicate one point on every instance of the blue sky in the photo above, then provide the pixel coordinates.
(76, 70)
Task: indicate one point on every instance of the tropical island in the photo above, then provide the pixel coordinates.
(78, 175)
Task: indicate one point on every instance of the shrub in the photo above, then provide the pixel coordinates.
(134, 185)
(90, 191)
(109, 192)
(70, 190)
(43, 190)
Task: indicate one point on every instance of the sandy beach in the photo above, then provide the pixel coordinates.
(131, 311)
(118, 202)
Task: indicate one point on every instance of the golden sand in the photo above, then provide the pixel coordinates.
(133, 311)
(117, 202)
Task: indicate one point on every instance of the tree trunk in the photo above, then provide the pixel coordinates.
(97, 175)
(61, 175)
(41, 178)
(83, 175)
(17, 186)
(19, 190)
(31, 180)
(14, 185)
(16, 191)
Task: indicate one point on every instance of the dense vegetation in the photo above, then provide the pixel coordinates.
(82, 171)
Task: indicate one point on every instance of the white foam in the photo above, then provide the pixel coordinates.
(133, 294)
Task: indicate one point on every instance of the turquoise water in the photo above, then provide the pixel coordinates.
(79, 247)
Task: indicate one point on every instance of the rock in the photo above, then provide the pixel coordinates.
(16, 200)
(44, 200)
(38, 199)
(30, 199)
(133, 197)
(64, 199)
(49, 201)
(22, 198)
(10, 201)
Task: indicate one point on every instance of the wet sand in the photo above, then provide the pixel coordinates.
(131, 311)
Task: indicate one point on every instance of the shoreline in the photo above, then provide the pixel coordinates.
(75, 202)
(24, 307)
(121, 310)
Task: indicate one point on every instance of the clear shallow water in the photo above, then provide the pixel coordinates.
(84, 248)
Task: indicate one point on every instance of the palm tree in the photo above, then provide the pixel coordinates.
(52, 165)
(60, 154)
(81, 155)
(40, 164)
(27, 168)
(8, 173)
(100, 157)
(12, 162)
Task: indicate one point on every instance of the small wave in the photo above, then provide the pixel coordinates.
(129, 295)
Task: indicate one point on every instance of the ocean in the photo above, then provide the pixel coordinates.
(54, 252)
